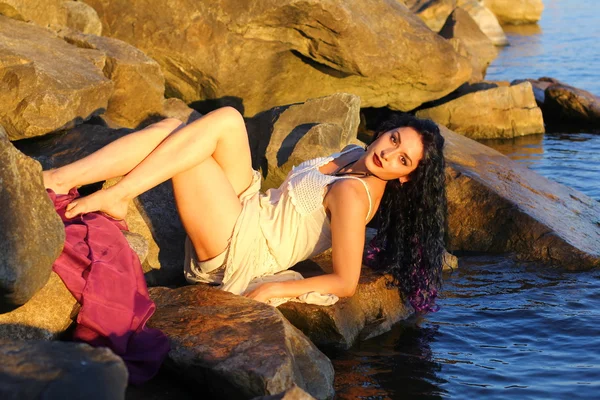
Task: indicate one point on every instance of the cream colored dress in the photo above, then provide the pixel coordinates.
(274, 231)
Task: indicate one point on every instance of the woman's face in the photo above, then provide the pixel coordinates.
(395, 154)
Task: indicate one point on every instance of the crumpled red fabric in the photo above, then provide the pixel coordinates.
(105, 276)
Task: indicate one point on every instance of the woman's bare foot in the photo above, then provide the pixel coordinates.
(52, 180)
(103, 201)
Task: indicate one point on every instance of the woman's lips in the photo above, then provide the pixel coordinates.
(377, 161)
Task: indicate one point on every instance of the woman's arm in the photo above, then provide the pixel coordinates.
(348, 205)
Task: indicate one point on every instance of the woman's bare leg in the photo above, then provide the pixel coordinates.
(209, 161)
(115, 159)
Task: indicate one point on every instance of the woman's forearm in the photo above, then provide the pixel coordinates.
(324, 284)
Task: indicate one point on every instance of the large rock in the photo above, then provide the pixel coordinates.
(487, 21)
(433, 12)
(567, 104)
(48, 314)
(295, 393)
(54, 370)
(32, 234)
(480, 49)
(498, 205)
(50, 13)
(502, 112)
(373, 309)
(260, 54)
(47, 84)
(139, 85)
(286, 136)
(237, 347)
(516, 11)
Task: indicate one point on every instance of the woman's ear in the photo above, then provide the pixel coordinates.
(403, 179)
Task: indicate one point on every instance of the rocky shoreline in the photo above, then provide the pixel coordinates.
(307, 76)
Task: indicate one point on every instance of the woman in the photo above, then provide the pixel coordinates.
(237, 234)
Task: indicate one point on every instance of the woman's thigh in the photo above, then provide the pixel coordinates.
(208, 206)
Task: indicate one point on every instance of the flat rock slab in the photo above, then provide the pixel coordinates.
(498, 205)
(47, 84)
(501, 112)
(372, 310)
(31, 233)
(235, 346)
(56, 370)
(48, 314)
(288, 51)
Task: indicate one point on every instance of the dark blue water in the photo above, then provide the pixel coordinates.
(508, 330)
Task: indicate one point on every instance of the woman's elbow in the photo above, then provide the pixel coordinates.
(348, 290)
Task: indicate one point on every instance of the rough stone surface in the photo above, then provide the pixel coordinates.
(372, 310)
(566, 103)
(237, 347)
(46, 83)
(481, 51)
(502, 112)
(41, 12)
(31, 233)
(56, 370)
(487, 21)
(498, 205)
(295, 393)
(516, 11)
(139, 245)
(46, 316)
(176, 108)
(82, 18)
(286, 136)
(433, 12)
(260, 54)
(139, 84)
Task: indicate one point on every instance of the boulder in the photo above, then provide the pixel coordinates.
(55, 370)
(235, 346)
(47, 84)
(480, 49)
(50, 13)
(82, 18)
(48, 314)
(286, 136)
(294, 393)
(567, 104)
(32, 234)
(502, 112)
(487, 21)
(139, 84)
(266, 53)
(176, 108)
(433, 12)
(499, 205)
(516, 11)
(372, 310)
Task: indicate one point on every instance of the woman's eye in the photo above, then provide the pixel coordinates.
(393, 139)
(403, 160)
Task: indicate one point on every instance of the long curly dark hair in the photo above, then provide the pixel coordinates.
(409, 243)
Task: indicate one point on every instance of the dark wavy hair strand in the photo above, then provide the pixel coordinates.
(409, 243)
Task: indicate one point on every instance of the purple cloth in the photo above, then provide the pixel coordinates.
(105, 276)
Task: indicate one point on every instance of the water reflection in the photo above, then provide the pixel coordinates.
(506, 330)
(522, 30)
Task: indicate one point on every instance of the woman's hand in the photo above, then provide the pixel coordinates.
(262, 293)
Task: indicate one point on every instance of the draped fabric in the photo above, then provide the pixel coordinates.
(105, 276)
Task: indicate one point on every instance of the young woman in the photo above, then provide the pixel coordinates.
(237, 234)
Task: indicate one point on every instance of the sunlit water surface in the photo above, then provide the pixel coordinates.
(508, 330)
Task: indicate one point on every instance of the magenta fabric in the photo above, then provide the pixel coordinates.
(105, 276)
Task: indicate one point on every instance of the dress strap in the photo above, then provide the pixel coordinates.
(366, 188)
